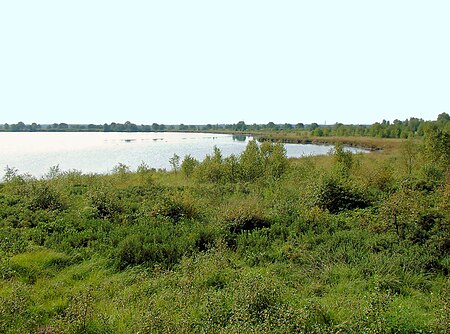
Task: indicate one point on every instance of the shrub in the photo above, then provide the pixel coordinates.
(132, 251)
(250, 161)
(400, 210)
(253, 163)
(104, 201)
(45, 197)
(274, 159)
(121, 169)
(254, 296)
(188, 165)
(159, 244)
(210, 170)
(11, 173)
(344, 161)
(175, 162)
(336, 196)
(244, 216)
(173, 208)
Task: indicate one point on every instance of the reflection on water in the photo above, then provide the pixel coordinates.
(239, 137)
(99, 152)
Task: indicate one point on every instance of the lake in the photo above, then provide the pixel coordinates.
(98, 152)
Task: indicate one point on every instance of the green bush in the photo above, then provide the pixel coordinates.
(188, 165)
(336, 196)
(173, 207)
(43, 196)
(241, 216)
(255, 162)
(254, 297)
(105, 201)
(161, 244)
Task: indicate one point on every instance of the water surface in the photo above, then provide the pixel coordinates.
(98, 152)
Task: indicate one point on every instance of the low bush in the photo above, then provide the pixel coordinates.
(43, 196)
(335, 196)
(173, 207)
(159, 244)
(241, 217)
(105, 201)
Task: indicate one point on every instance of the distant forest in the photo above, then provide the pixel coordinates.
(412, 127)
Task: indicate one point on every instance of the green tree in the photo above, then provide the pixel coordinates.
(231, 168)
(344, 161)
(275, 160)
(211, 168)
(409, 151)
(241, 126)
(437, 145)
(318, 132)
(188, 165)
(175, 162)
(251, 164)
(443, 117)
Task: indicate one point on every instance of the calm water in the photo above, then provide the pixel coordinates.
(98, 152)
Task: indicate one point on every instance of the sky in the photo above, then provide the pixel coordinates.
(211, 61)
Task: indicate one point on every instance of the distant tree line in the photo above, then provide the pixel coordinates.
(412, 127)
(113, 127)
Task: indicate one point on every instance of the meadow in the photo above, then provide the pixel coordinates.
(251, 243)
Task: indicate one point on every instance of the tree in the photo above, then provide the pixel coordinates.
(130, 126)
(318, 132)
(19, 127)
(409, 150)
(175, 162)
(437, 145)
(188, 165)
(443, 117)
(240, 126)
(10, 173)
(275, 160)
(211, 169)
(250, 162)
(34, 127)
(231, 168)
(343, 161)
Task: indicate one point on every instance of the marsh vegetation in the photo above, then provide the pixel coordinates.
(254, 242)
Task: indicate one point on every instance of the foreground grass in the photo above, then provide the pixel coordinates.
(342, 243)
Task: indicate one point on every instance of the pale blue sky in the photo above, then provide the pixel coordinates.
(198, 62)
